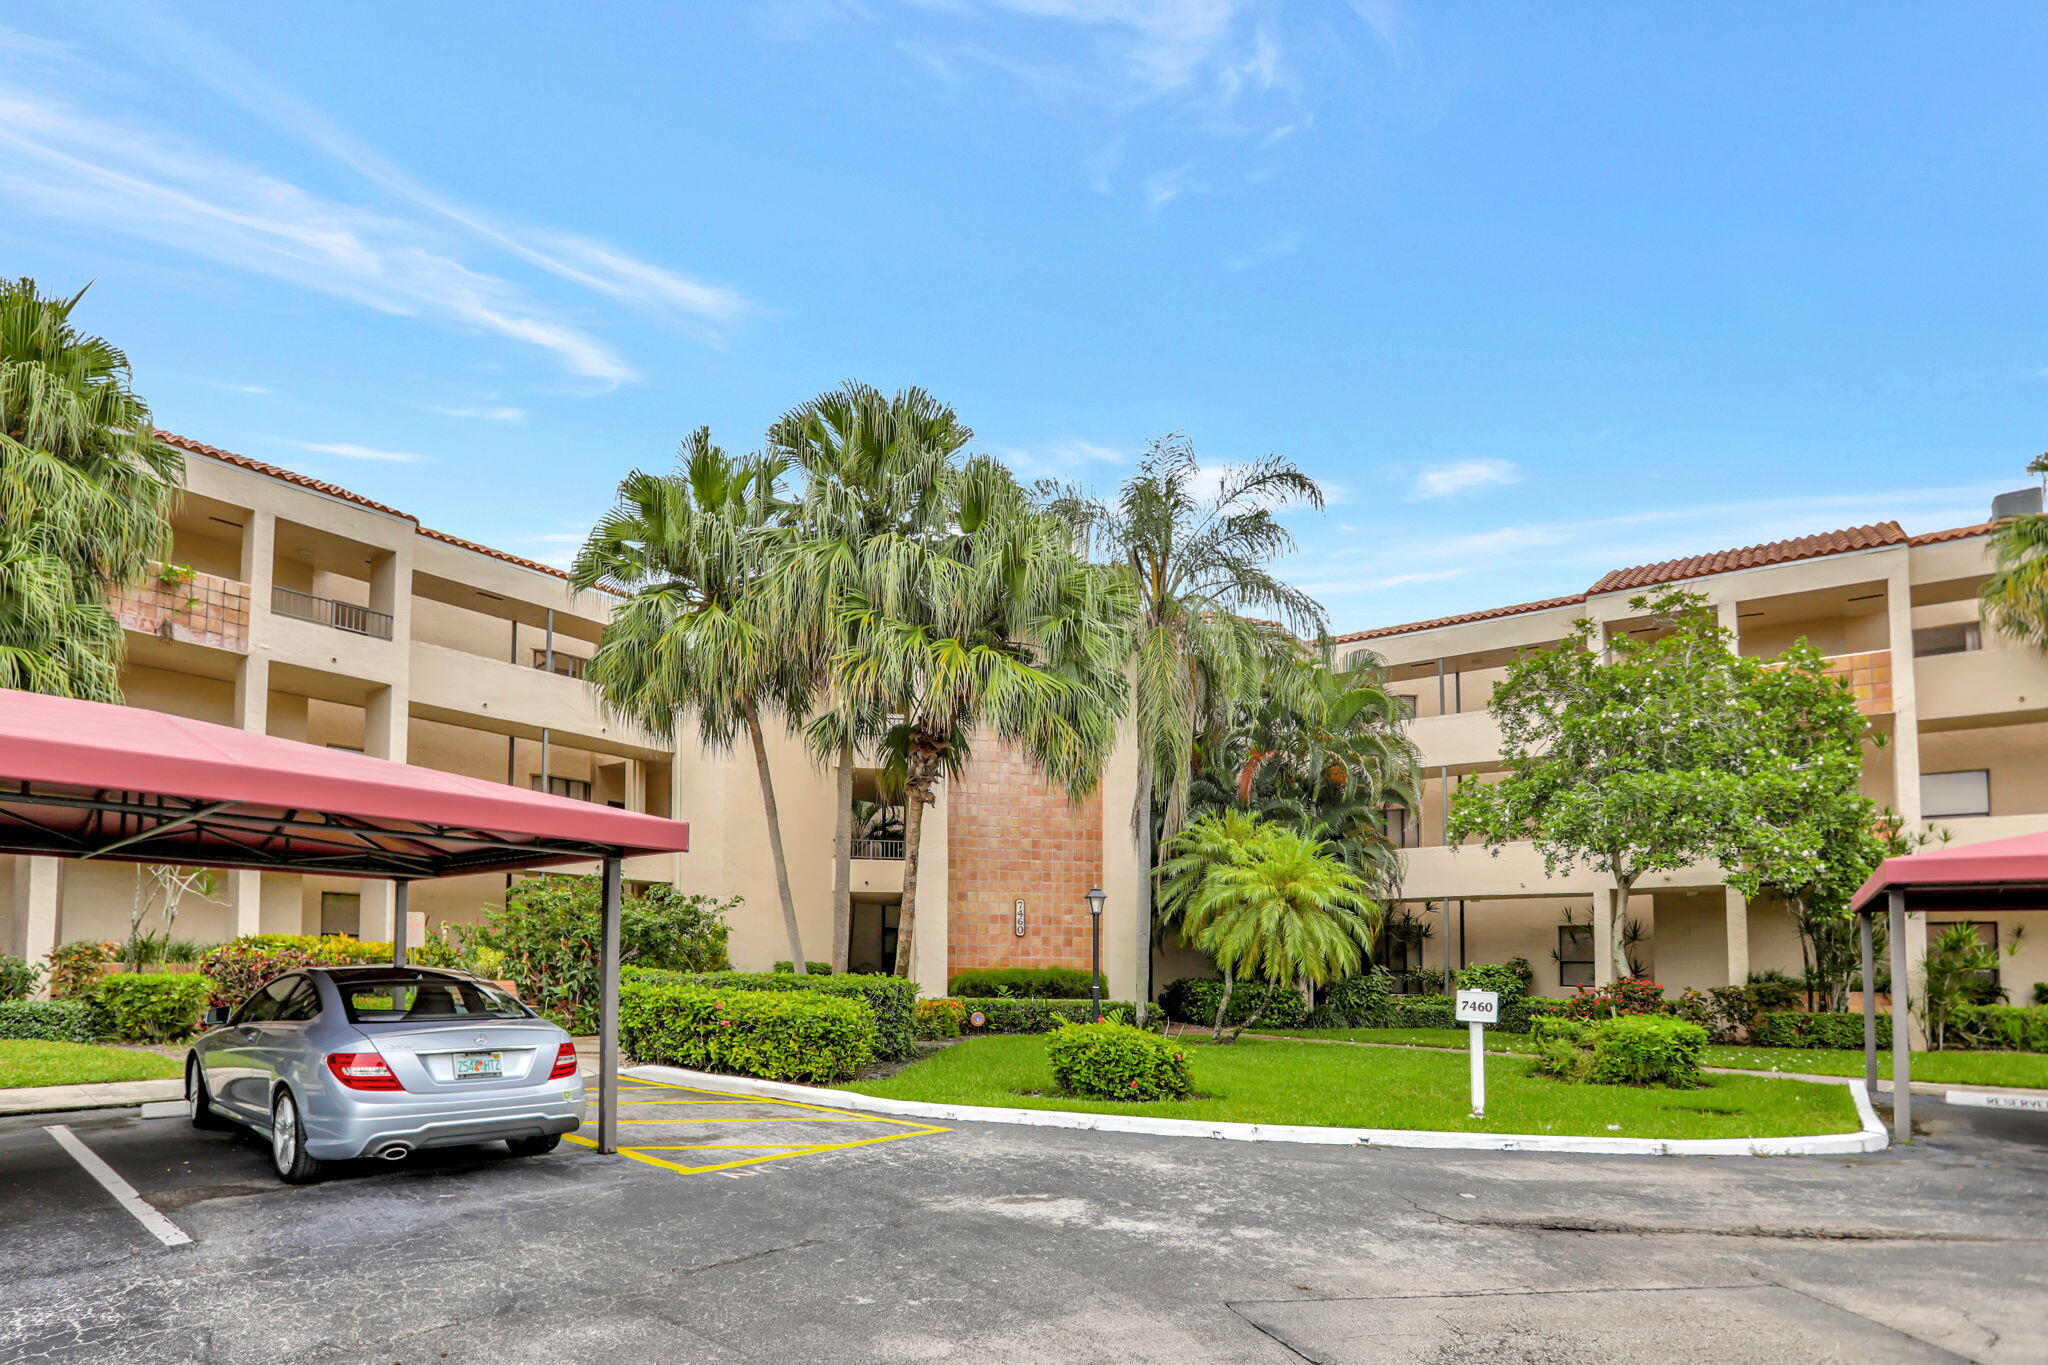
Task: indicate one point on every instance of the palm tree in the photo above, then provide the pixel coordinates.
(689, 551)
(1288, 911)
(86, 490)
(983, 619)
(870, 464)
(2016, 597)
(1195, 547)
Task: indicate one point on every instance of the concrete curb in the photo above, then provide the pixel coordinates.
(1870, 1138)
(57, 1099)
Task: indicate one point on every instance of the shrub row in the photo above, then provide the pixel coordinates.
(805, 1036)
(1194, 1000)
(1791, 1028)
(935, 1019)
(53, 1021)
(2004, 1028)
(1036, 983)
(1643, 1050)
(810, 968)
(1116, 1062)
(153, 1007)
(891, 999)
(1003, 1015)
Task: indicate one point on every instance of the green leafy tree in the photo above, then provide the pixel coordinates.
(1285, 910)
(1196, 548)
(689, 550)
(2016, 597)
(1629, 766)
(86, 491)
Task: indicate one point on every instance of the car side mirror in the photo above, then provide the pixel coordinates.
(216, 1015)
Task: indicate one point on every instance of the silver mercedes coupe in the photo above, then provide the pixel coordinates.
(335, 1063)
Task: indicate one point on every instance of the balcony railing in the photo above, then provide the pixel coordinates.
(325, 611)
(881, 849)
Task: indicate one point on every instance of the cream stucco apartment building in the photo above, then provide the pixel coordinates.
(304, 610)
(1964, 714)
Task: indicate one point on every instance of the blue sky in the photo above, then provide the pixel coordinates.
(1538, 290)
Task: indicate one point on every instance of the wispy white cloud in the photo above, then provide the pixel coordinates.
(484, 414)
(1443, 481)
(349, 451)
(1067, 458)
(238, 388)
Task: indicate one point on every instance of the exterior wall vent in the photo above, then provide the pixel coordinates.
(2019, 503)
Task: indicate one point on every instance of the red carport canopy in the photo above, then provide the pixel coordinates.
(82, 779)
(2003, 874)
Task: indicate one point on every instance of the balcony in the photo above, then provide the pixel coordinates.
(1869, 676)
(880, 850)
(325, 611)
(179, 604)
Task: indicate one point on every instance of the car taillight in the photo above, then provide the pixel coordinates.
(363, 1071)
(565, 1062)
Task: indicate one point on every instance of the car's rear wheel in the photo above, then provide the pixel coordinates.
(288, 1144)
(199, 1100)
(533, 1146)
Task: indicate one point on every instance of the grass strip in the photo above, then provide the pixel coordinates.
(28, 1063)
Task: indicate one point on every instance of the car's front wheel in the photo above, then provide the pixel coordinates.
(533, 1146)
(198, 1099)
(288, 1144)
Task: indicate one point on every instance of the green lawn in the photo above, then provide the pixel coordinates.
(24, 1063)
(1257, 1081)
(2028, 1070)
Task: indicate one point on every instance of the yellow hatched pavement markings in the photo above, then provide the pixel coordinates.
(781, 1151)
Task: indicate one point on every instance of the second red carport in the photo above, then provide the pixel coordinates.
(87, 780)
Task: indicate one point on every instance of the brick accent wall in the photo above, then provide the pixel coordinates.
(1009, 835)
(205, 610)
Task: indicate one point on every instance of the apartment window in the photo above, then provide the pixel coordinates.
(1957, 639)
(341, 912)
(575, 788)
(568, 665)
(1950, 796)
(1574, 954)
(1987, 934)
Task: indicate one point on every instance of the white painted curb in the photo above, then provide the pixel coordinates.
(1870, 1138)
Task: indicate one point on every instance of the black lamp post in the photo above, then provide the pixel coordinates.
(1096, 896)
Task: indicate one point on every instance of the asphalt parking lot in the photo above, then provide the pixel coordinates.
(1001, 1243)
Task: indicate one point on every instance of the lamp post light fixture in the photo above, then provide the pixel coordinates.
(1096, 896)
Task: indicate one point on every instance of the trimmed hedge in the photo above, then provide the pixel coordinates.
(1003, 1015)
(890, 998)
(1033, 983)
(52, 1021)
(1116, 1062)
(810, 968)
(1999, 1028)
(1193, 1000)
(1843, 1030)
(1640, 1050)
(776, 1035)
(153, 1007)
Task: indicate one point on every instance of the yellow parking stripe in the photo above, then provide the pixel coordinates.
(777, 1151)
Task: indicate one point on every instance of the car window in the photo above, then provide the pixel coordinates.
(409, 999)
(302, 1003)
(265, 1004)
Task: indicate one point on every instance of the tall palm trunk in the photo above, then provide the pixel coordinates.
(768, 807)
(1222, 1007)
(842, 863)
(1141, 822)
(920, 772)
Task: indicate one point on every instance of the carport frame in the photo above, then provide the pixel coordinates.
(1998, 876)
(87, 780)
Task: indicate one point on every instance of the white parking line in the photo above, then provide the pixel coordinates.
(162, 1228)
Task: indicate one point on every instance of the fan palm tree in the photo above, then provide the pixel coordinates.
(689, 551)
(2016, 597)
(86, 491)
(1287, 911)
(1195, 547)
(981, 620)
(871, 466)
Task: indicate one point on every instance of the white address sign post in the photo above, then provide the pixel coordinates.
(1477, 1009)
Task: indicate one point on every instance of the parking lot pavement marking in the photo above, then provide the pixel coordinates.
(162, 1228)
(778, 1151)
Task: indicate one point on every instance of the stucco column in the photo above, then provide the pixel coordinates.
(1905, 744)
(37, 888)
(1916, 949)
(384, 736)
(1603, 936)
(636, 785)
(930, 947)
(1735, 913)
(244, 890)
(259, 556)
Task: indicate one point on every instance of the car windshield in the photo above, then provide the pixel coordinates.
(391, 1000)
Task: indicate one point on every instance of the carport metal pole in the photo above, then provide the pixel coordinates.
(608, 1014)
(1902, 1024)
(1863, 936)
(399, 887)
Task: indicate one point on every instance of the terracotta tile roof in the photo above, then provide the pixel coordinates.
(1519, 609)
(459, 542)
(1752, 556)
(1955, 533)
(332, 490)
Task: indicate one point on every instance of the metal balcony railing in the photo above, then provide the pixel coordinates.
(325, 611)
(887, 849)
